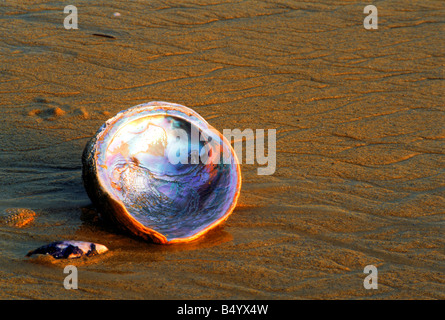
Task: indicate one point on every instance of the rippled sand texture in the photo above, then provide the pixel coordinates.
(359, 116)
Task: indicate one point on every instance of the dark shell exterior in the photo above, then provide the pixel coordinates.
(129, 174)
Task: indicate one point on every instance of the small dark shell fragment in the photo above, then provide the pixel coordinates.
(70, 249)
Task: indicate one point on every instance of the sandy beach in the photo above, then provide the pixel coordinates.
(360, 142)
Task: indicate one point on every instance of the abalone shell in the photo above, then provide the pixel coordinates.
(161, 172)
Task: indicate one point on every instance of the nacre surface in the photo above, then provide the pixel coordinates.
(160, 171)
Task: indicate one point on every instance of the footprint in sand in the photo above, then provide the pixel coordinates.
(17, 217)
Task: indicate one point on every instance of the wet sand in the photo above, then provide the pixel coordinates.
(360, 159)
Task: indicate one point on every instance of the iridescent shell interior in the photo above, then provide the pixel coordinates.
(181, 199)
